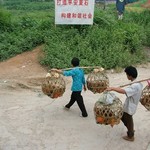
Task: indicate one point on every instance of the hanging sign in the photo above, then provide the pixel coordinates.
(74, 11)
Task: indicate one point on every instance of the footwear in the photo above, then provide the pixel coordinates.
(82, 115)
(120, 17)
(66, 108)
(128, 138)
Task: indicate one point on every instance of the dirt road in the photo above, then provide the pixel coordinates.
(30, 120)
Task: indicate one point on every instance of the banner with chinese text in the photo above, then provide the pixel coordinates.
(74, 11)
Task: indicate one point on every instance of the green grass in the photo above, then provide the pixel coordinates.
(137, 4)
(110, 43)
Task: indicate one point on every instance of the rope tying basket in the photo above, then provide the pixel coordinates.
(97, 81)
(108, 113)
(54, 85)
(145, 98)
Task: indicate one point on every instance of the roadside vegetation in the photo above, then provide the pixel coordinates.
(109, 43)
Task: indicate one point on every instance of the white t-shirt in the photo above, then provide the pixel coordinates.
(133, 93)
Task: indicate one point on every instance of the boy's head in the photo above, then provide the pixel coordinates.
(75, 62)
(131, 72)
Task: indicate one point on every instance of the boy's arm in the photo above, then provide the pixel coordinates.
(116, 89)
(84, 87)
(65, 73)
(57, 70)
(84, 83)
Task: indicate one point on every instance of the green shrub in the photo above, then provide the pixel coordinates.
(102, 47)
(147, 33)
(109, 42)
(140, 18)
(5, 20)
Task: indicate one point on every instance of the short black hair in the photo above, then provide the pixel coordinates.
(131, 71)
(75, 61)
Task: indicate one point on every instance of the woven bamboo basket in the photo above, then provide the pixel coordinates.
(54, 85)
(145, 98)
(108, 114)
(97, 81)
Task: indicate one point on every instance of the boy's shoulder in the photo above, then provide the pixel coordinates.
(78, 69)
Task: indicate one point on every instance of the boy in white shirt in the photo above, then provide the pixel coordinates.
(133, 93)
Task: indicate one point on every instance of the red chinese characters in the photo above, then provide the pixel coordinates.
(73, 2)
(76, 15)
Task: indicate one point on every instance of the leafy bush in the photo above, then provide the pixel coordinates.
(27, 5)
(108, 43)
(18, 42)
(5, 20)
(147, 33)
(105, 47)
(140, 18)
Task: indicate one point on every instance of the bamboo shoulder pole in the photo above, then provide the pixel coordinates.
(135, 82)
(88, 67)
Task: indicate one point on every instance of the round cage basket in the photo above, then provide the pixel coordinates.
(97, 81)
(145, 98)
(108, 114)
(54, 85)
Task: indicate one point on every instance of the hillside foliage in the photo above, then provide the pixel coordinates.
(109, 42)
